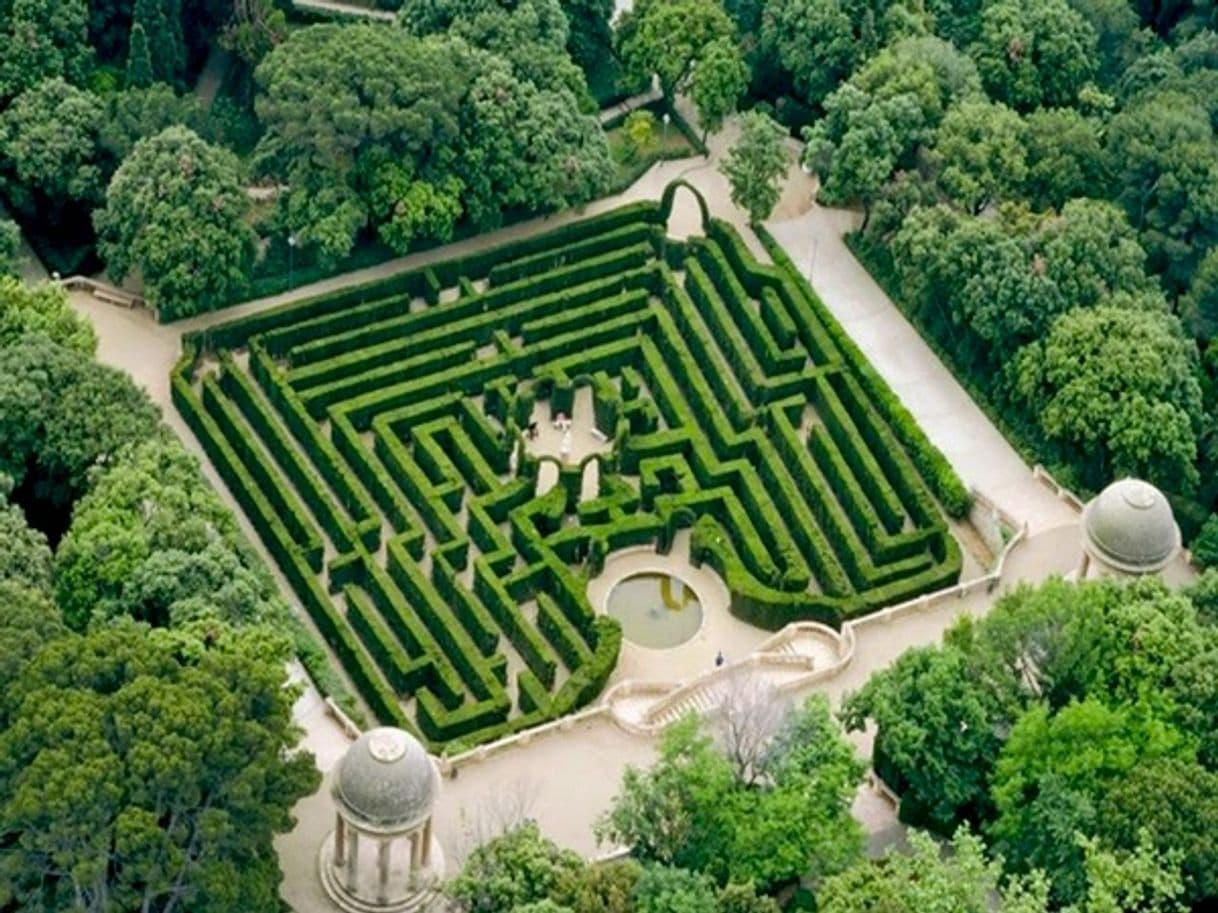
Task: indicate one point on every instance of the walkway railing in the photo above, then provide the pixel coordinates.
(103, 291)
(1043, 475)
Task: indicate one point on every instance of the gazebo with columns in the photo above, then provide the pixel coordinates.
(1128, 530)
(382, 854)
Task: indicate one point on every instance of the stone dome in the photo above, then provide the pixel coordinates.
(386, 781)
(1129, 526)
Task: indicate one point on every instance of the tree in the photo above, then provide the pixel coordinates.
(61, 414)
(140, 74)
(1119, 385)
(518, 868)
(176, 210)
(939, 732)
(691, 811)
(161, 21)
(150, 770)
(1064, 157)
(743, 898)
(1163, 158)
(29, 621)
(669, 38)
(751, 715)
(662, 889)
(639, 129)
(10, 246)
(889, 108)
(756, 164)
(980, 153)
(1199, 307)
(49, 137)
(44, 39)
(820, 42)
(1034, 52)
(333, 95)
(25, 557)
(134, 114)
(152, 540)
(964, 881)
(43, 309)
(717, 84)
(602, 888)
(255, 27)
(1173, 804)
(530, 35)
(591, 35)
(1053, 772)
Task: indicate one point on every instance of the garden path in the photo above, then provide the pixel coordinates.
(949, 416)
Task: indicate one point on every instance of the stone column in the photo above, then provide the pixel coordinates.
(382, 870)
(353, 863)
(1084, 566)
(416, 851)
(426, 839)
(340, 839)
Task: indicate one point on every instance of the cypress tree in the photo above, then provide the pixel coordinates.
(139, 59)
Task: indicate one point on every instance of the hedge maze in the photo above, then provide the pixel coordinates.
(374, 439)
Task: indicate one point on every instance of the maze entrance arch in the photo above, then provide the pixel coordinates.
(370, 436)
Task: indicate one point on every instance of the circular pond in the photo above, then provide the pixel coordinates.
(656, 609)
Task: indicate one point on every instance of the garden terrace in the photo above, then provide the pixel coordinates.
(375, 439)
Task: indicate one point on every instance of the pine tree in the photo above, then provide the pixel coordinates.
(164, 37)
(139, 60)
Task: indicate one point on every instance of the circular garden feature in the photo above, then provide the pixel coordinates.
(655, 609)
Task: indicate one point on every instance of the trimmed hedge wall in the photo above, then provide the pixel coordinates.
(375, 437)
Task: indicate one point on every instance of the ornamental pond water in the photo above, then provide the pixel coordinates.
(656, 610)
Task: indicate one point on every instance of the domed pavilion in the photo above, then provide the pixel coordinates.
(382, 854)
(1128, 529)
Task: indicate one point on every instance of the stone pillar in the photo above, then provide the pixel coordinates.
(340, 839)
(426, 860)
(353, 863)
(416, 851)
(382, 870)
(1084, 566)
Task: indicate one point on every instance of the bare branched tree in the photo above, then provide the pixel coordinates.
(750, 715)
(505, 809)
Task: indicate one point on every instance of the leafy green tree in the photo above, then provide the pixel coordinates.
(28, 622)
(1199, 307)
(150, 770)
(820, 42)
(603, 888)
(140, 73)
(176, 210)
(1120, 386)
(517, 868)
(134, 114)
(44, 309)
(743, 898)
(25, 557)
(1205, 546)
(662, 889)
(939, 733)
(530, 35)
(61, 414)
(161, 21)
(980, 153)
(43, 39)
(332, 95)
(253, 29)
(640, 130)
(406, 208)
(878, 120)
(1163, 158)
(717, 84)
(49, 141)
(1174, 805)
(1034, 52)
(1054, 771)
(10, 246)
(1120, 39)
(756, 164)
(1064, 157)
(526, 148)
(590, 37)
(151, 539)
(669, 38)
(691, 810)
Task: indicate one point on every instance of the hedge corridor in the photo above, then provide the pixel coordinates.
(374, 439)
